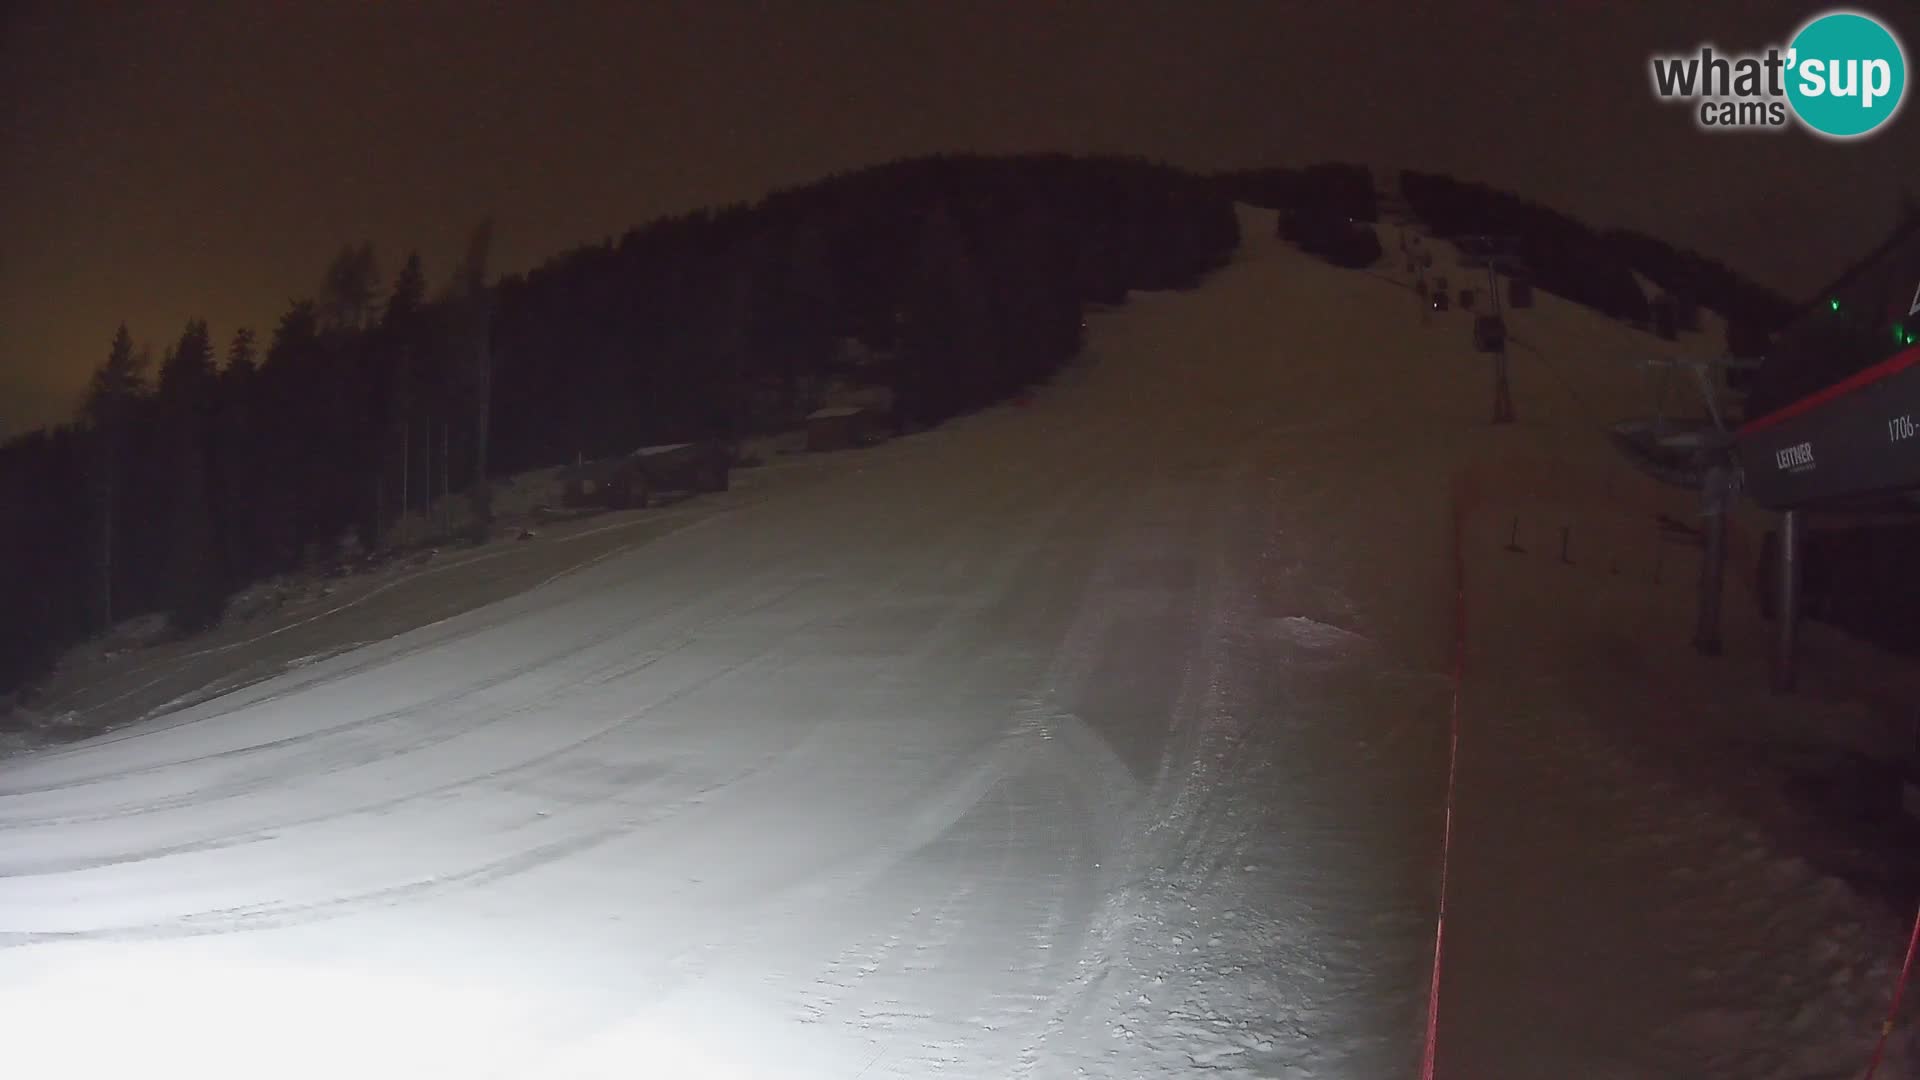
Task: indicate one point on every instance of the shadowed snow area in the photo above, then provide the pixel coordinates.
(1099, 737)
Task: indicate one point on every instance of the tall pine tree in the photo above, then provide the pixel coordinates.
(194, 587)
(413, 390)
(470, 320)
(944, 339)
(350, 288)
(241, 352)
(111, 396)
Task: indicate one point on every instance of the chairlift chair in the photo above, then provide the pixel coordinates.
(1490, 334)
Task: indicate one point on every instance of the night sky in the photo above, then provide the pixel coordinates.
(163, 161)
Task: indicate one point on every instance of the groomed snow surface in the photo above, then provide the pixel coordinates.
(1104, 737)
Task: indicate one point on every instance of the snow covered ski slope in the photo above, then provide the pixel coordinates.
(1100, 737)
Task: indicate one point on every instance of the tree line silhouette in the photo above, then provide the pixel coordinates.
(953, 280)
(186, 477)
(1596, 268)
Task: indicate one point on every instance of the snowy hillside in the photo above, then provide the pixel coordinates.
(1102, 736)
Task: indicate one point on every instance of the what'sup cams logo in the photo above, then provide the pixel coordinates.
(1843, 75)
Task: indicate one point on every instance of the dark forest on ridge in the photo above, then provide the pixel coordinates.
(187, 475)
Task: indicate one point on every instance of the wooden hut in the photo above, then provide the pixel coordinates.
(632, 480)
(842, 427)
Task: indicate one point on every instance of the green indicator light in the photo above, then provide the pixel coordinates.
(1834, 304)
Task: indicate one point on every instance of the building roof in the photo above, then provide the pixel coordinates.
(1864, 318)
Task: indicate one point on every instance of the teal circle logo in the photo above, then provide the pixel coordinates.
(1848, 75)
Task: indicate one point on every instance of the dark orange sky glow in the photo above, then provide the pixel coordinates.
(169, 161)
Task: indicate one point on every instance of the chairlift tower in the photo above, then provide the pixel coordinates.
(1502, 389)
(1696, 454)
